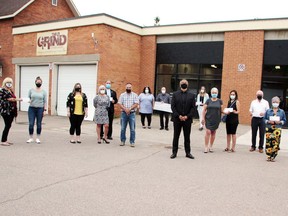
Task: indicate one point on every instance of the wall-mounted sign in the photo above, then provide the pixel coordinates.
(241, 67)
(52, 43)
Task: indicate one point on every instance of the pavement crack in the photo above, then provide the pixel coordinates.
(78, 177)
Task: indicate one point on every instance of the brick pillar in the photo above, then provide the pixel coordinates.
(247, 48)
(148, 62)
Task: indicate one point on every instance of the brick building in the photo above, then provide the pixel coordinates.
(242, 55)
(24, 12)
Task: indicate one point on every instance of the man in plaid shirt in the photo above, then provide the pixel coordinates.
(128, 102)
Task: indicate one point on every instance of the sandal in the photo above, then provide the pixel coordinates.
(232, 150)
(226, 150)
(5, 144)
(211, 150)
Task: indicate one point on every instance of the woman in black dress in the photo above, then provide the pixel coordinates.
(232, 120)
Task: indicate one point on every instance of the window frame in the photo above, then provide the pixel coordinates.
(54, 2)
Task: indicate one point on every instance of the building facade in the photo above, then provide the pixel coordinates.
(242, 55)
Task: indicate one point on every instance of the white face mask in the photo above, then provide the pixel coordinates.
(102, 91)
(202, 90)
(275, 105)
(232, 97)
(163, 91)
(146, 91)
(8, 85)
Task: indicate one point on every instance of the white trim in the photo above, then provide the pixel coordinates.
(209, 27)
(54, 4)
(18, 11)
(73, 8)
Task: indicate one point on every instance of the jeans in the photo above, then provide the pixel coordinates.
(8, 119)
(124, 120)
(35, 113)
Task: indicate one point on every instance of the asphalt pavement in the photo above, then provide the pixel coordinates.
(59, 178)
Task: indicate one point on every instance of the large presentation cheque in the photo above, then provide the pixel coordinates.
(165, 107)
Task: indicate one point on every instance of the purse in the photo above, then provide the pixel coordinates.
(224, 117)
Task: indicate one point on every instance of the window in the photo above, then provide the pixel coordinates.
(54, 2)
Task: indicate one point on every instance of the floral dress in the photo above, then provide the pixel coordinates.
(101, 104)
(273, 133)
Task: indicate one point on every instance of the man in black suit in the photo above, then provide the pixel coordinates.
(183, 106)
(113, 100)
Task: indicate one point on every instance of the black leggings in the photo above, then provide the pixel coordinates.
(148, 116)
(8, 119)
(75, 124)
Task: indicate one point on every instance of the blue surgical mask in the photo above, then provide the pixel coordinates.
(108, 86)
(214, 95)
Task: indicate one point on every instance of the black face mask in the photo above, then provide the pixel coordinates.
(128, 90)
(184, 86)
(259, 97)
(77, 89)
(38, 85)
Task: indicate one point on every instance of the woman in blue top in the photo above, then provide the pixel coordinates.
(37, 108)
(146, 104)
(274, 118)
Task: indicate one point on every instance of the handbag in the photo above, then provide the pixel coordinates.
(224, 117)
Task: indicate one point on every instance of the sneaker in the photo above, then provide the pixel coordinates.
(143, 127)
(38, 141)
(30, 140)
(149, 127)
(122, 144)
(132, 145)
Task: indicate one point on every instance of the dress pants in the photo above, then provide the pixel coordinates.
(178, 125)
(255, 124)
(162, 115)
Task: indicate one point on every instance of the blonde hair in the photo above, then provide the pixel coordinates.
(100, 87)
(6, 80)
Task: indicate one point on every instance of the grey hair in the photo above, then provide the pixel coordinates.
(275, 98)
(214, 89)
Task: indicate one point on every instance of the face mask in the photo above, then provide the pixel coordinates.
(77, 89)
(184, 86)
(146, 91)
(259, 97)
(214, 95)
(163, 92)
(108, 86)
(8, 85)
(102, 91)
(232, 97)
(38, 85)
(128, 90)
(202, 91)
(275, 105)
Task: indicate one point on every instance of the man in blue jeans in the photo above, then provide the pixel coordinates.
(128, 102)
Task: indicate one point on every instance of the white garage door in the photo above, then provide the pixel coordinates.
(28, 75)
(68, 75)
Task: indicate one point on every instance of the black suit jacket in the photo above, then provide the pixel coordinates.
(114, 96)
(183, 103)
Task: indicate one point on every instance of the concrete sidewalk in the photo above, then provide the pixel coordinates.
(59, 178)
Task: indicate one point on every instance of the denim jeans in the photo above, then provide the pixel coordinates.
(35, 113)
(124, 120)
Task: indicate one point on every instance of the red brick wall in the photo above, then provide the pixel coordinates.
(42, 11)
(6, 43)
(38, 11)
(243, 47)
(148, 62)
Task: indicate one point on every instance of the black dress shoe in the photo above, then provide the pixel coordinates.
(190, 156)
(110, 138)
(173, 156)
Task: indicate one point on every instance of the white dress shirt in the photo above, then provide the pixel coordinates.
(258, 107)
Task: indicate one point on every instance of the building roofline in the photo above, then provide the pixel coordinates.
(188, 28)
(18, 11)
(69, 2)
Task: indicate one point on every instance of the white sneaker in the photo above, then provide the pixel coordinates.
(38, 141)
(30, 140)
